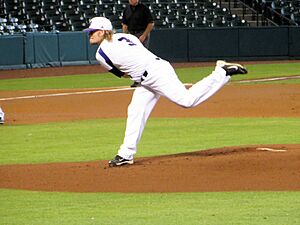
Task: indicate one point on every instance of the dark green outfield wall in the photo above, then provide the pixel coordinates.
(176, 45)
(227, 43)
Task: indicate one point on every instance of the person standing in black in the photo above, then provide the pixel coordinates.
(137, 20)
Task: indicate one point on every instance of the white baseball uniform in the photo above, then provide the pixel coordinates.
(126, 55)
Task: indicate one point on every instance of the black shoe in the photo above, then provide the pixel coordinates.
(231, 68)
(119, 161)
(135, 84)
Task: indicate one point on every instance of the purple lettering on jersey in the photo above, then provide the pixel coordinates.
(127, 40)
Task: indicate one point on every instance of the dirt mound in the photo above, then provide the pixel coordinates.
(253, 168)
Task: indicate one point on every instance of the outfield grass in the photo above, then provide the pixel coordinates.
(255, 71)
(186, 75)
(236, 208)
(99, 139)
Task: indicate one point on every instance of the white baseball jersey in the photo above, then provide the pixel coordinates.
(124, 54)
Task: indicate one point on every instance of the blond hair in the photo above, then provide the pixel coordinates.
(108, 34)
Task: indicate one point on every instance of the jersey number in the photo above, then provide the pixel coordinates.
(127, 40)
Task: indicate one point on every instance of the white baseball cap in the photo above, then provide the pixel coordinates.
(99, 23)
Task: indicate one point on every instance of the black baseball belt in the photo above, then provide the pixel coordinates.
(145, 74)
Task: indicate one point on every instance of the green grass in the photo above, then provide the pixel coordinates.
(248, 208)
(255, 71)
(187, 75)
(64, 82)
(100, 139)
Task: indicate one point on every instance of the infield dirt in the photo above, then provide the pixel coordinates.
(242, 168)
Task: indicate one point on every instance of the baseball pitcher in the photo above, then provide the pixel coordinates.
(125, 56)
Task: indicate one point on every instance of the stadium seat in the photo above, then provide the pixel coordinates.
(50, 2)
(32, 27)
(238, 22)
(194, 6)
(276, 5)
(164, 12)
(202, 2)
(78, 25)
(296, 17)
(119, 8)
(210, 5)
(108, 13)
(114, 18)
(69, 2)
(88, 11)
(295, 4)
(201, 12)
(71, 14)
(88, 2)
(52, 12)
(109, 2)
(61, 26)
(123, 1)
(182, 1)
(15, 9)
(220, 11)
(287, 11)
(219, 22)
(178, 24)
(158, 6)
(200, 23)
(160, 24)
(117, 25)
(171, 18)
(146, 2)
(2, 30)
(58, 18)
(190, 17)
(11, 29)
(173, 6)
(3, 21)
(229, 18)
(22, 28)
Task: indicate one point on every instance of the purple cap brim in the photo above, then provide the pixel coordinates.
(89, 30)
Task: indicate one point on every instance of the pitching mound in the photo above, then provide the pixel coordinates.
(254, 168)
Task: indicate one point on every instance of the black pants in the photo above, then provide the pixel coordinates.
(147, 40)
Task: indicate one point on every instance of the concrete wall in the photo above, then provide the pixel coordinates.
(176, 45)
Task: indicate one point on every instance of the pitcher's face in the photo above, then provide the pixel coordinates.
(96, 37)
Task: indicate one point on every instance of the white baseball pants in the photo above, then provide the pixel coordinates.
(163, 81)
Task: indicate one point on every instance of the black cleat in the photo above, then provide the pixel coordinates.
(119, 161)
(231, 68)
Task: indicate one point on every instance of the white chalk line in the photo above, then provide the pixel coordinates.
(126, 89)
(71, 93)
(65, 94)
(268, 79)
(271, 150)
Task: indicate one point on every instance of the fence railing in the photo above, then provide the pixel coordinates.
(262, 13)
